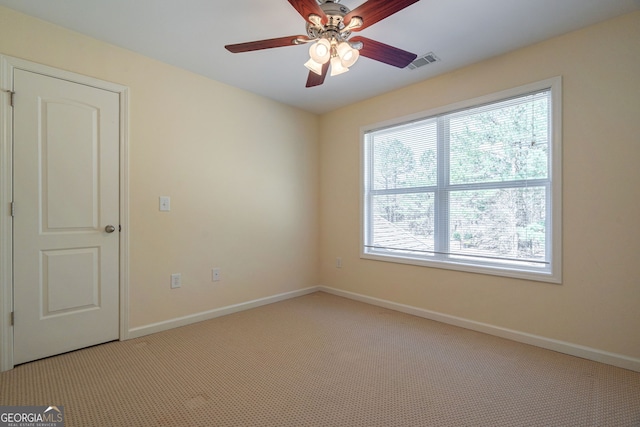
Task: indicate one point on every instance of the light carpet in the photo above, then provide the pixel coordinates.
(323, 360)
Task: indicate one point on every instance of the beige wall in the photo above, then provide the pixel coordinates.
(242, 173)
(246, 198)
(598, 304)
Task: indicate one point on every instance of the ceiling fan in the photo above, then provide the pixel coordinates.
(329, 27)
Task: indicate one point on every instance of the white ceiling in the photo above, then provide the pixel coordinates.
(191, 34)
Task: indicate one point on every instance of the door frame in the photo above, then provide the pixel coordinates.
(7, 66)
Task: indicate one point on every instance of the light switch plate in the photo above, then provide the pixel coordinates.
(176, 280)
(165, 203)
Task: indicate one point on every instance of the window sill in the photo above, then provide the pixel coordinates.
(538, 275)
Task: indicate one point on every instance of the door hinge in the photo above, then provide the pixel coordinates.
(11, 94)
(119, 228)
(13, 209)
(12, 318)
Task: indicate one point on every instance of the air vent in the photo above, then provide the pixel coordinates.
(426, 59)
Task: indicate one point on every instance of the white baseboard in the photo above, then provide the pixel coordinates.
(589, 353)
(212, 314)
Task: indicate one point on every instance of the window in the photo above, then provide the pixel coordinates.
(475, 186)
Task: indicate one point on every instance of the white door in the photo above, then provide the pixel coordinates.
(66, 197)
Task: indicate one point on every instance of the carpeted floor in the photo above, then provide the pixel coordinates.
(322, 360)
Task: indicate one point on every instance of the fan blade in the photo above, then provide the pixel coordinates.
(308, 7)
(316, 80)
(265, 44)
(374, 11)
(384, 53)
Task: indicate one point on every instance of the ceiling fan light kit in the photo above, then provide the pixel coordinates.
(329, 27)
(320, 51)
(314, 66)
(348, 54)
(342, 56)
(337, 67)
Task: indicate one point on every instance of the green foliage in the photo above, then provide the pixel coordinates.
(394, 164)
(503, 144)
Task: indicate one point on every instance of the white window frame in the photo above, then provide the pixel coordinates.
(552, 272)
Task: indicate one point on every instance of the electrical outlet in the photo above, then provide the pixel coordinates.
(215, 275)
(338, 262)
(176, 280)
(165, 203)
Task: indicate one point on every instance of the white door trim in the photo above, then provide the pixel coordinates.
(7, 65)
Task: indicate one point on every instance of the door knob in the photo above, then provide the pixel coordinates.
(109, 229)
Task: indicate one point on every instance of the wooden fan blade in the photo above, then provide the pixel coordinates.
(264, 44)
(374, 11)
(308, 7)
(317, 80)
(384, 53)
